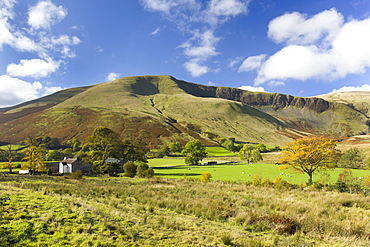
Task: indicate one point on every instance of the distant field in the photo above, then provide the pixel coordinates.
(166, 162)
(219, 151)
(14, 147)
(245, 172)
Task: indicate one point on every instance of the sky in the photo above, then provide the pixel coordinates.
(302, 48)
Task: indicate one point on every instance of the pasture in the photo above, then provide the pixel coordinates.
(245, 172)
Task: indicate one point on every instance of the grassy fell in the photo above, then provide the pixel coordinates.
(164, 102)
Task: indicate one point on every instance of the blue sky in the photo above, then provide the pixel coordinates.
(303, 48)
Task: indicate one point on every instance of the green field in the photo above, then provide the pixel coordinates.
(238, 172)
(219, 152)
(14, 147)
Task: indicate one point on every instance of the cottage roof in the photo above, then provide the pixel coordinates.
(69, 160)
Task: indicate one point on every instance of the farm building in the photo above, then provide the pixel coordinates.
(209, 163)
(69, 165)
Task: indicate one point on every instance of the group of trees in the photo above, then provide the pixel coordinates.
(306, 155)
(104, 143)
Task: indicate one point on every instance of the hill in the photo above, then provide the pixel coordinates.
(169, 109)
(358, 100)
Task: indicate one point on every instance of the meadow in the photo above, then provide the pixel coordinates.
(117, 211)
(242, 172)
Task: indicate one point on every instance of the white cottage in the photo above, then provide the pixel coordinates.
(69, 165)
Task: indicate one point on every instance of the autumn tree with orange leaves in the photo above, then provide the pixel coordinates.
(309, 155)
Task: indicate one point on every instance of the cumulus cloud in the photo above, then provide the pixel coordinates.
(322, 47)
(222, 10)
(200, 21)
(252, 63)
(296, 28)
(49, 51)
(252, 89)
(195, 68)
(41, 42)
(112, 76)
(45, 14)
(365, 87)
(36, 68)
(14, 91)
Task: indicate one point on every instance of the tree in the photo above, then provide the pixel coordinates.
(9, 155)
(35, 159)
(309, 155)
(194, 151)
(229, 145)
(262, 148)
(75, 144)
(250, 153)
(130, 169)
(135, 150)
(175, 147)
(55, 155)
(352, 158)
(102, 144)
(164, 151)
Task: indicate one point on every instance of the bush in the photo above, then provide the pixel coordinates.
(76, 175)
(130, 169)
(141, 170)
(206, 176)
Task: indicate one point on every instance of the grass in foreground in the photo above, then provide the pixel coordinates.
(96, 211)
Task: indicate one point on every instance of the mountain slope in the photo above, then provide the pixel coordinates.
(170, 109)
(358, 100)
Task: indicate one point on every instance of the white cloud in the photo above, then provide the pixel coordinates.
(166, 6)
(201, 21)
(36, 68)
(112, 76)
(221, 10)
(275, 83)
(157, 5)
(156, 31)
(322, 47)
(14, 91)
(207, 45)
(23, 43)
(252, 89)
(46, 47)
(45, 14)
(252, 63)
(296, 28)
(195, 68)
(365, 87)
(201, 53)
(295, 62)
(235, 61)
(211, 83)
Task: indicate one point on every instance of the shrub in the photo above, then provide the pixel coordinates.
(256, 180)
(144, 171)
(76, 175)
(206, 176)
(130, 169)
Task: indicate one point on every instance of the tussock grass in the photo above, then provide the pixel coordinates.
(101, 211)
